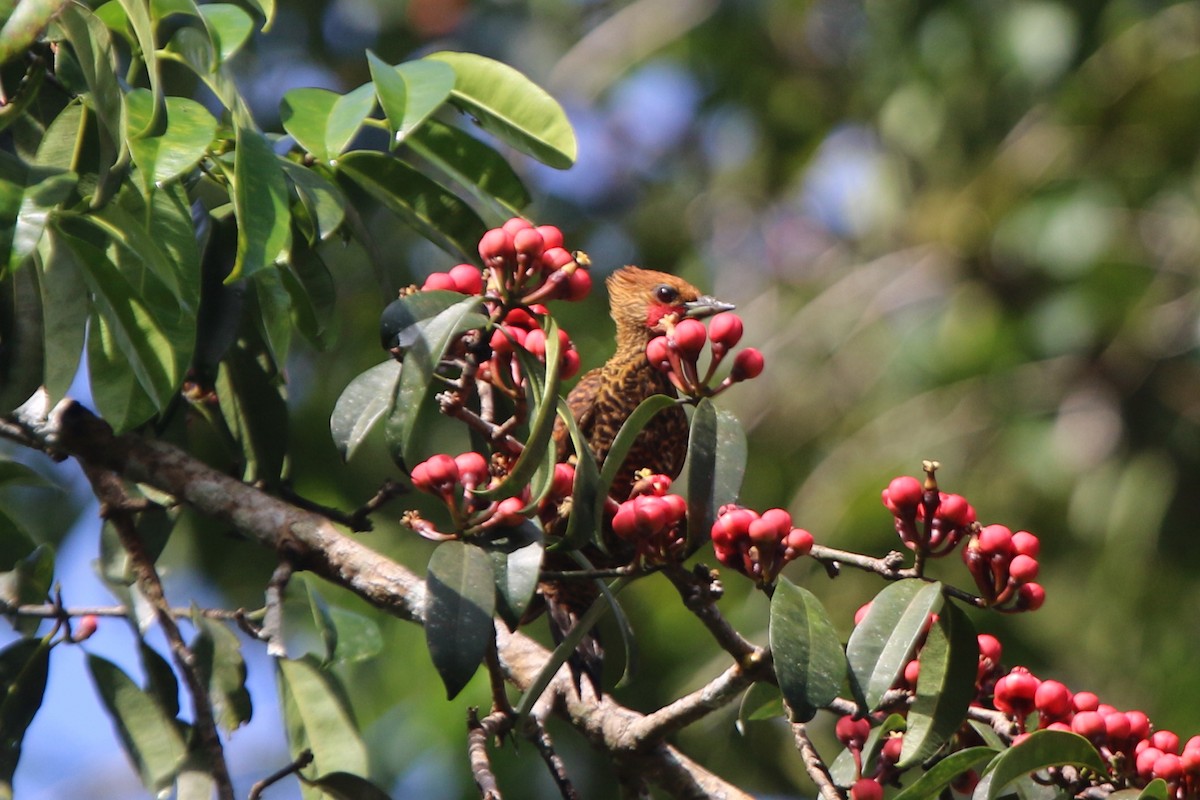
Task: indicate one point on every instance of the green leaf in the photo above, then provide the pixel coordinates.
(409, 93)
(885, 640)
(1040, 750)
(625, 437)
(930, 785)
(716, 464)
(584, 523)
(24, 667)
(344, 786)
(161, 683)
(318, 718)
(64, 314)
(401, 323)
(178, 148)
(24, 25)
(323, 621)
(809, 662)
(21, 324)
(228, 25)
(150, 737)
(324, 122)
(417, 383)
(945, 685)
(473, 166)
(362, 404)
(255, 412)
(27, 196)
(460, 600)
(266, 9)
(516, 565)
(1154, 790)
(260, 203)
(117, 390)
(511, 107)
(358, 636)
(137, 13)
(434, 212)
(762, 701)
(220, 665)
(323, 201)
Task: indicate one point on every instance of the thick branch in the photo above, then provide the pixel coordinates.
(311, 542)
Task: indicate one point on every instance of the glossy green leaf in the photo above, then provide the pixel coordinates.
(324, 122)
(345, 786)
(24, 667)
(1156, 789)
(161, 683)
(184, 140)
(14, 472)
(716, 464)
(809, 662)
(403, 320)
(64, 314)
(137, 12)
(885, 640)
(460, 600)
(228, 25)
(146, 249)
(266, 9)
(358, 636)
(260, 203)
(762, 701)
(362, 404)
(256, 414)
(58, 148)
(511, 107)
(434, 212)
(417, 384)
(931, 784)
(945, 685)
(1042, 749)
(21, 323)
(220, 665)
(117, 391)
(318, 718)
(271, 309)
(24, 25)
(313, 295)
(322, 200)
(323, 621)
(408, 93)
(516, 565)
(474, 167)
(162, 9)
(27, 196)
(623, 441)
(150, 736)
(584, 523)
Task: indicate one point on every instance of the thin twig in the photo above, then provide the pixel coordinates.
(888, 568)
(716, 694)
(451, 405)
(700, 590)
(481, 764)
(56, 611)
(271, 630)
(813, 764)
(537, 734)
(303, 760)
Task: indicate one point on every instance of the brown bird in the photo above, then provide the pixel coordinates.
(639, 301)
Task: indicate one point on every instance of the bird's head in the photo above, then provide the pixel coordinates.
(641, 298)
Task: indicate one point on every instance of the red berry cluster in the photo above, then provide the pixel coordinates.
(530, 265)
(678, 351)
(928, 520)
(652, 520)
(758, 546)
(868, 785)
(1004, 565)
(520, 328)
(1136, 754)
(464, 279)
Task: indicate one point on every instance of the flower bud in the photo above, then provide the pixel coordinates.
(690, 337)
(747, 364)
(467, 279)
(496, 247)
(725, 329)
(439, 281)
(551, 236)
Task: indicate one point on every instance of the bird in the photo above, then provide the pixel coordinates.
(641, 302)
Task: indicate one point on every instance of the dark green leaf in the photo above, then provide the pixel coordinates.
(24, 666)
(22, 352)
(178, 148)
(399, 324)
(761, 701)
(435, 213)
(27, 196)
(137, 13)
(473, 166)
(344, 786)
(516, 564)
(584, 523)
(716, 463)
(117, 390)
(221, 667)
(460, 600)
(1040, 750)
(809, 662)
(23, 26)
(323, 621)
(260, 202)
(930, 785)
(945, 685)
(625, 437)
(318, 718)
(361, 404)
(1154, 790)
(64, 314)
(409, 93)
(161, 683)
(417, 384)
(324, 202)
(511, 107)
(255, 413)
(150, 736)
(358, 636)
(229, 27)
(884, 641)
(324, 122)
(272, 314)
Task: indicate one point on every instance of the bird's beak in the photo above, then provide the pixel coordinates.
(705, 306)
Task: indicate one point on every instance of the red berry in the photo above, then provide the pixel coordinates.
(904, 492)
(535, 342)
(564, 480)
(747, 364)
(911, 672)
(440, 474)
(690, 337)
(1139, 728)
(579, 285)
(508, 512)
(890, 751)
(955, 509)
(556, 258)
(467, 279)
(1169, 767)
(569, 365)
(1166, 741)
(496, 247)
(1190, 761)
(658, 353)
(799, 542)
(852, 732)
(676, 507)
(1053, 699)
(989, 647)
(551, 235)
(472, 469)
(1116, 725)
(732, 525)
(528, 241)
(862, 612)
(1026, 543)
(1015, 691)
(516, 224)
(439, 281)
(1031, 596)
(1144, 763)
(1023, 568)
(771, 527)
(1085, 701)
(1089, 724)
(866, 789)
(725, 329)
(995, 540)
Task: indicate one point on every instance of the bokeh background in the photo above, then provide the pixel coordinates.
(964, 230)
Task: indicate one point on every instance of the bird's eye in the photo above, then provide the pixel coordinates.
(665, 293)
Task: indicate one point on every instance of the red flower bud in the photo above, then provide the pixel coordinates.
(799, 542)
(1053, 699)
(551, 236)
(725, 329)
(657, 353)
(556, 258)
(955, 509)
(516, 224)
(85, 627)
(439, 281)
(852, 732)
(496, 247)
(1015, 692)
(1090, 725)
(528, 242)
(1023, 569)
(467, 279)
(771, 527)
(437, 474)
(472, 469)
(995, 540)
(866, 789)
(902, 493)
(1026, 544)
(1166, 741)
(579, 285)
(747, 364)
(1030, 596)
(690, 337)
